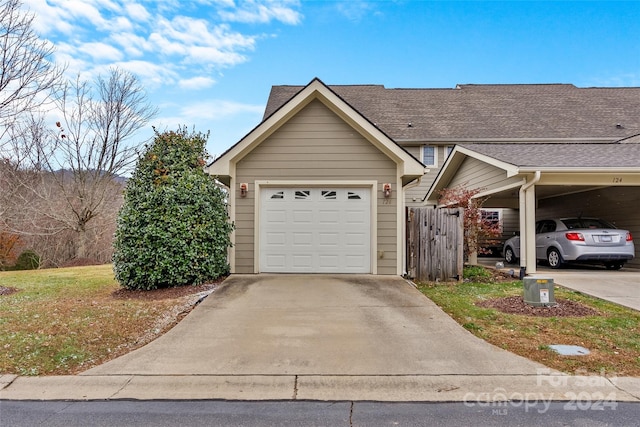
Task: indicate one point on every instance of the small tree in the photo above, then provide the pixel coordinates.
(173, 228)
(477, 230)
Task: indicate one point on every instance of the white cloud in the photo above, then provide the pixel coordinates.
(132, 44)
(217, 109)
(356, 10)
(192, 39)
(170, 45)
(48, 18)
(253, 11)
(211, 55)
(83, 11)
(137, 12)
(196, 83)
(172, 33)
(151, 74)
(101, 51)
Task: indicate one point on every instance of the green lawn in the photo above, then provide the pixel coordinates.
(612, 336)
(66, 320)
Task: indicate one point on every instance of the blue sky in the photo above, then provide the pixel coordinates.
(211, 63)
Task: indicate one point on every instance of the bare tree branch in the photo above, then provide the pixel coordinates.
(80, 160)
(27, 74)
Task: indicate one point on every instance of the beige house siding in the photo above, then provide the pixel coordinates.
(618, 205)
(316, 145)
(415, 195)
(476, 174)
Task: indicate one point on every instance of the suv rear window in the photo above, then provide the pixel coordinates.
(586, 223)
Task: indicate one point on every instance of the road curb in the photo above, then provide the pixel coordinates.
(470, 389)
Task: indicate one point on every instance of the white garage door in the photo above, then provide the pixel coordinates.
(315, 230)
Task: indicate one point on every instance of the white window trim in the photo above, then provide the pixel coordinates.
(447, 150)
(435, 155)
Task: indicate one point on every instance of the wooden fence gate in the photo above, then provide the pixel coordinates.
(435, 244)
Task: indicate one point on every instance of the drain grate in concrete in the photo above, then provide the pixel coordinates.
(569, 350)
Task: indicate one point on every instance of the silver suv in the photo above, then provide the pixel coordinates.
(586, 240)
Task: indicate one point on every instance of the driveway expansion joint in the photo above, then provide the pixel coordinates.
(295, 388)
(123, 387)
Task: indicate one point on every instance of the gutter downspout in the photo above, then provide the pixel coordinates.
(527, 224)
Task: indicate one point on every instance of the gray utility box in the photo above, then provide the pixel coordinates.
(539, 292)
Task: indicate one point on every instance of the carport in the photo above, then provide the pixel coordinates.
(549, 179)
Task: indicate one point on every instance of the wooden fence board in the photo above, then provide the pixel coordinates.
(435, 244)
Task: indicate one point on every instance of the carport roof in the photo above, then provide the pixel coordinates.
(562, 156)
(577, 160)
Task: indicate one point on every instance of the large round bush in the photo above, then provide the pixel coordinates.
(173, 228)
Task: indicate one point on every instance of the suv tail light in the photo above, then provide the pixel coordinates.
(629, 237)
(575, 236)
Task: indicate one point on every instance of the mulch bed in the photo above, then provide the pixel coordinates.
(165, 293)
(516, 305)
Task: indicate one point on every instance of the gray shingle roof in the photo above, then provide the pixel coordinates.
(472, 112)
(543, 155)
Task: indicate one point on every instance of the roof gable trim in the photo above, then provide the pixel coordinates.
(455, 159)
(222, 166)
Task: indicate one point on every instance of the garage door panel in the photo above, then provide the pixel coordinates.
(327, 261)
(302, 262)
(329, 217)
(356, 239)
(302, 216)
(355, 261)
(276, 239)
(315, 230)
(355, 216)
(328, 239)
(276, 261)
(302, 239)
(276, 216)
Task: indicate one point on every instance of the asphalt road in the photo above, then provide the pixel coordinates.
(285, 413)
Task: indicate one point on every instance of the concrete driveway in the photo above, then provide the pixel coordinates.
(317, 325)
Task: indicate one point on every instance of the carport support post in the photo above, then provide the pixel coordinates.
(527, 202)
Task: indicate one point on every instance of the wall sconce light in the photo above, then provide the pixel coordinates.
(386, 190)
(244, 189)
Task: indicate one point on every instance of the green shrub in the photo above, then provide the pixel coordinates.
(173, 227)
(27, 260)
(476, 273)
